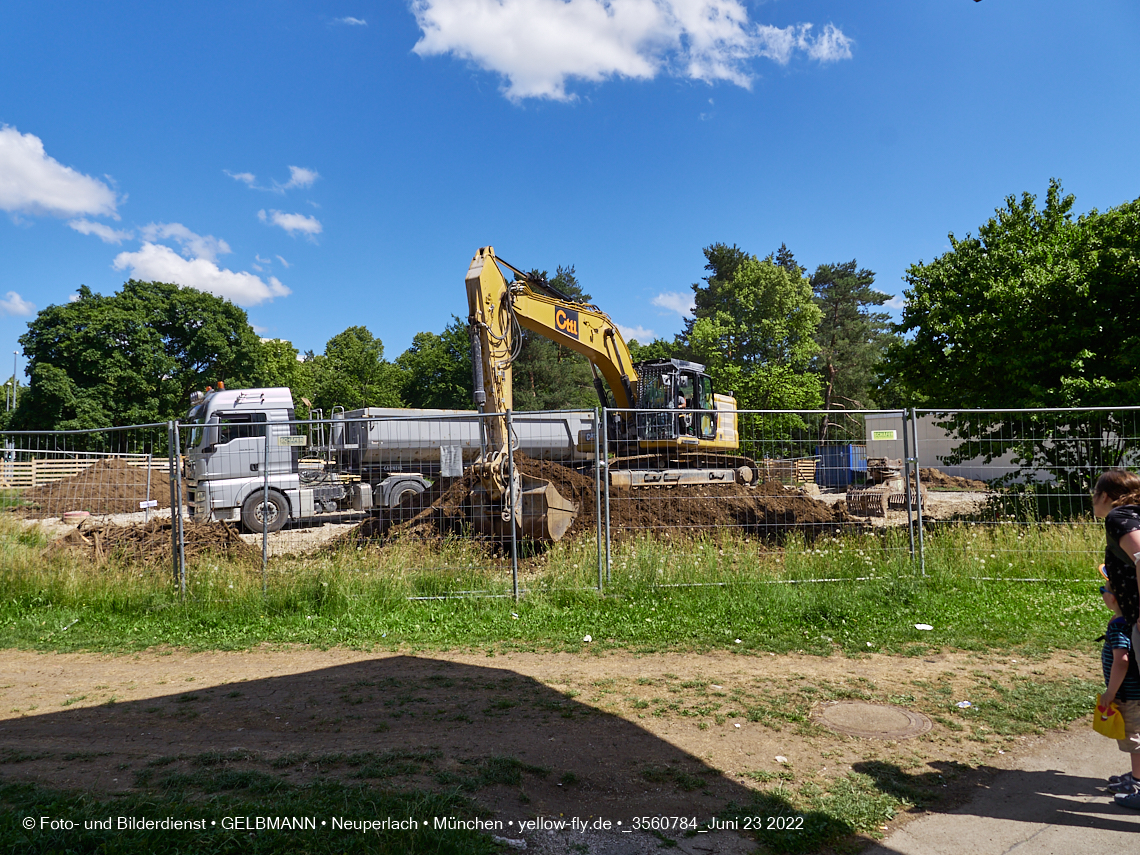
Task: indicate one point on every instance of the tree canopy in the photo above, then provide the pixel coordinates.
(754, 326)
(851, 337)
(436, 369)
(1038, 310)
(352, 373)
(132, 357)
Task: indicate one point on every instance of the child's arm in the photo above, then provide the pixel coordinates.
(1117, 674)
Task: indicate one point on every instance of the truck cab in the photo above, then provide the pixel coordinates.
(227, 460)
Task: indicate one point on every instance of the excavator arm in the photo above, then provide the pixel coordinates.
(498, 311)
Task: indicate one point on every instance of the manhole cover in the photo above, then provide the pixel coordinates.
(872, 721)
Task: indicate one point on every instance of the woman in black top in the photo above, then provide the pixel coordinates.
(1116, 500)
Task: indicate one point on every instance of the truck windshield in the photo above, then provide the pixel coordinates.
(196, 432)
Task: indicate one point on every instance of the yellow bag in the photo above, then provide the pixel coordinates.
(1109, 723)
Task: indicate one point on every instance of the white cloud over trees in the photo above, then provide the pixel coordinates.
(159, 263)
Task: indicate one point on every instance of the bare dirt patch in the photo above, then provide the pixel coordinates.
(612, 734)
(110, 486)
(767, 510)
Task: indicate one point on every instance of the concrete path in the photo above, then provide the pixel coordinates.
(1053, 804)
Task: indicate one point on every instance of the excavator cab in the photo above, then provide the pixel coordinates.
(674, 402)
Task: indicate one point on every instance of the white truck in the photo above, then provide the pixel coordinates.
(356, 461)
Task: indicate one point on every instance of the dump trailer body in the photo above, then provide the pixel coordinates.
(382, 435)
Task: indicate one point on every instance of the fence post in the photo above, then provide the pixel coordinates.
(171, 480)
(606, 482)
(265, 517)
(918, 489)
(598, 490)
(511, 506)
(177, 511)
(146, 514)
(907, 469)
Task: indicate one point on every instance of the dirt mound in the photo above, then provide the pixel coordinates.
(938, 480)
(111, 486)
(149, 543)
(767, 510)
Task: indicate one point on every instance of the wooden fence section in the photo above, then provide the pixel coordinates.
(26, 474)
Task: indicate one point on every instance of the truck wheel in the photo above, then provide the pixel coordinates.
(403, 490)
(258, 515)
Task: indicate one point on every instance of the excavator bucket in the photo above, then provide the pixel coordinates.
(544, 513)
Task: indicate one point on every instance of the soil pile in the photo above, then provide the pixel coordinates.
(149, 543)
(767, 510)
(111, 486)
(938, 480)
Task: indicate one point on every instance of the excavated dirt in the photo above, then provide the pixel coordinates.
(111, 486)
(936, 479)
(149, 543)
(767, 510)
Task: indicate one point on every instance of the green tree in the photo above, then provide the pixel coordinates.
(1036, 311)
(548, 376)
(277, 364)
(851, 338)
(754, 326)
(130, 358)
(352, 373)
(656, 349)
(437, 369)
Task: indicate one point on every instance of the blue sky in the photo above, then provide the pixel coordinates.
(330, 164)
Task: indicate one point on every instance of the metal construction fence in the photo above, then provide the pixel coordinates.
(670, 488)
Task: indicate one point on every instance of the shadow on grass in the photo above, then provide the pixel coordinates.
(397, 737)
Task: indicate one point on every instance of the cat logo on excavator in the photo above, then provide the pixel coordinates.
(566, 320)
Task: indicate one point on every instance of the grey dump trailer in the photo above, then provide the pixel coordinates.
(356, 461)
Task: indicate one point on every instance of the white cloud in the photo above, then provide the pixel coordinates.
(104, 232)
(536, 45)
(300, 177)
(155, 262)
(897, 303)
(642, 335)
(193, 245)
(292, 223)
(247, 178)
(31, 182)
(674, 301)
(351, 22)
(284, 263)
(16, 306)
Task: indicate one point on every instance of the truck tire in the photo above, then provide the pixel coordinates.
(402, 490)
(255, 510)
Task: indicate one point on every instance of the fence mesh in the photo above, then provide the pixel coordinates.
(770, 491)
(787, 496)
(104, 492)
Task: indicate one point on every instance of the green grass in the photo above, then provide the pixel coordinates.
(711, 593)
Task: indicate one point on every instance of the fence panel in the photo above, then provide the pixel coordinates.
(790, 493)
(391, 492)
(1020, 479)
(107, 482)
(788, 496)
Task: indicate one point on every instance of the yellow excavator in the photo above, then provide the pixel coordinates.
(667, 425)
